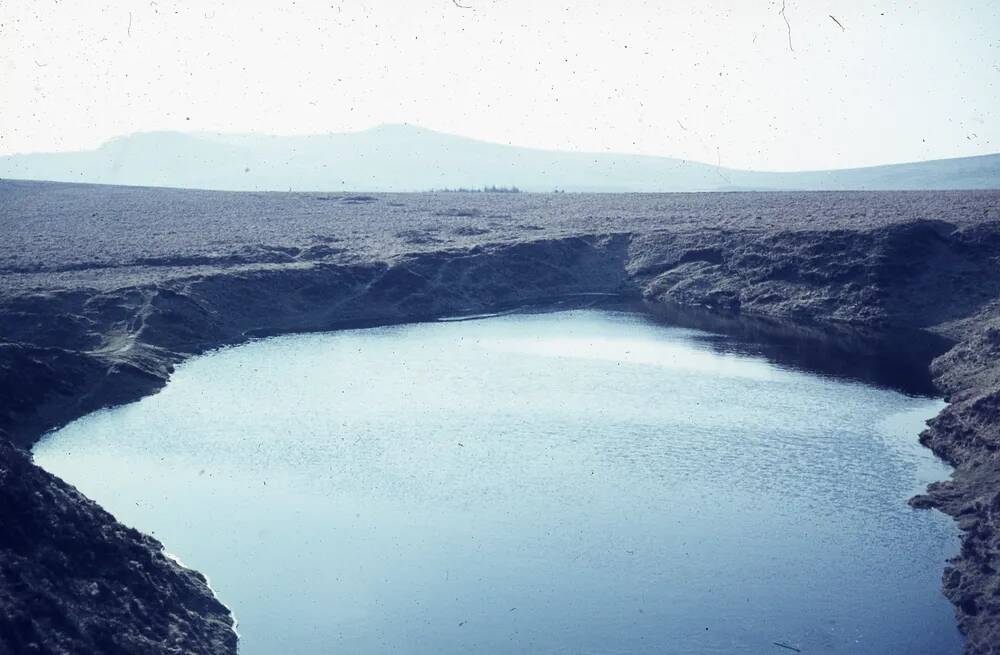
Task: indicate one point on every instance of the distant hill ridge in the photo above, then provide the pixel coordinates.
(408, 158)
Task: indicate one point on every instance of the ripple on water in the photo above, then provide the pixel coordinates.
(575, 482)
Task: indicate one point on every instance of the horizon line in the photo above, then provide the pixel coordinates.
(421, 128)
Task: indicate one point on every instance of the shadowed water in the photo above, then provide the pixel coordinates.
(575, 482)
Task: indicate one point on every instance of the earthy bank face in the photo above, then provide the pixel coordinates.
(575, 482)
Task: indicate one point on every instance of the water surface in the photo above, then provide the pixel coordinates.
(575, 482)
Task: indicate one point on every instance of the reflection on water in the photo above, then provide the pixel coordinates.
(578, 482)
(898, 358)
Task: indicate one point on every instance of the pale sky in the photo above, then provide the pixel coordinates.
(713, 81)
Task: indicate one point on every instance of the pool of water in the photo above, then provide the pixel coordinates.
(575, 482)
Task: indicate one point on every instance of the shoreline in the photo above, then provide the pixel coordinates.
(71, 348)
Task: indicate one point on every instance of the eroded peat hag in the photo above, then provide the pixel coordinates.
(106, 289)
(584, 481)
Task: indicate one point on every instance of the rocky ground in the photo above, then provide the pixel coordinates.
(104, 289)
